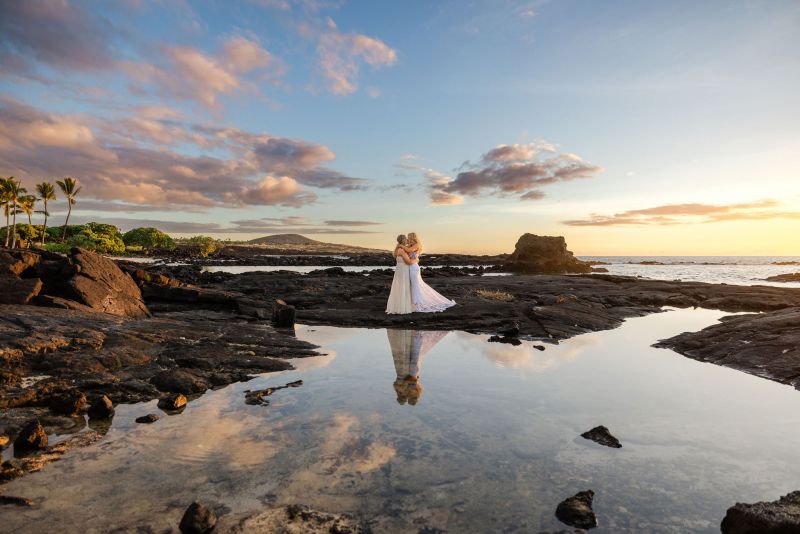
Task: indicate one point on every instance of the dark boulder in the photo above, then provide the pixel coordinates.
(511, 330)
(283, 315)
(17, 501)
(101, 408)
(101, 285)
(776, 517)
(9, 471)
(69, 402)
(536, 254)
(32, 437)
(509, 340)
(179, 381)
(576, 511)
(172, 402)
(15, 290)
(147, 419)
(601, 435)
(197, 519)
(4, 441)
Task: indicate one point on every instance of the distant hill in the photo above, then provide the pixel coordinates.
(296, 243)
(285, 239)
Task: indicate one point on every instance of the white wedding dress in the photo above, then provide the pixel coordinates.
(425, 298)
(400, 295)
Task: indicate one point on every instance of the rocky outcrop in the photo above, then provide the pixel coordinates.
(776, 517)
(765, 344)
(101, 285)
(576, 511)
(31, 437)
(601, 435)
(536, 254)
(101, 408)
(789, 277)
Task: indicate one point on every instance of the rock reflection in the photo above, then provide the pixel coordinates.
(409, 347)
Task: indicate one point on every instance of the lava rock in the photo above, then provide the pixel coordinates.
(9, 471)
(508, 340)
(538, 347)
(147, 419)
(101, 285)
(534, 254)
(576, 511)
(19, 501)
(4, 441)
(197, 519)
(512, 330)
(68, 402)
(172, 402)
(15, 290)
(101, 408)
(776, 517)
(601, 435)
(283, 315)
(32, 437)
(179, 381)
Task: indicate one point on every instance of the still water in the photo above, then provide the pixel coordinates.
(486, 441)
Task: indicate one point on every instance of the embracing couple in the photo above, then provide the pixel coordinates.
(409, 292)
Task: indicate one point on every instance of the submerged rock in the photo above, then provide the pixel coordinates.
(32, 437)
(534, 254)
(294, 518)
(198, 519)
(101, 408)
(147, 419)
(576, 511)
(172, 402)
(601, 435)
(776, 517)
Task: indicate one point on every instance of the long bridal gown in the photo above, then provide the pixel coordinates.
(424, 297)
(400, 295)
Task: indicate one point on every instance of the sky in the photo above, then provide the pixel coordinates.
(628, 127)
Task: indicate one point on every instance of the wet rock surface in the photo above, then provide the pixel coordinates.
(101, 408)
(30, 437)
(601, 435)
(776, 517)
(789, 277)
(292, 519)
(766, 344)
(147, 419)
(576, 511)
(172, 402)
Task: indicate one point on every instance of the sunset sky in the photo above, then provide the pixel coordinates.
(628, 127)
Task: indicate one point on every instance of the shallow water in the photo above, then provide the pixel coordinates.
(492, 443)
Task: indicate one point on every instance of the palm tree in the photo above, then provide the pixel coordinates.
(46, 192)
(69, 186)
(27, 203)
(15, 191)
(5, 201)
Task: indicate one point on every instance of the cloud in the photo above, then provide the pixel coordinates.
(56, 33)
(516, 170)
(187, 73)
(297, 225)
(351, 223)
(341, 55)
(141, 161)
(689, 214)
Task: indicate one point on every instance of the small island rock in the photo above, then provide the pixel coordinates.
(601, 435)
(197, 519)
(576, 511)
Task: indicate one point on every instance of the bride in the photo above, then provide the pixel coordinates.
(400, 296)
(424, 297)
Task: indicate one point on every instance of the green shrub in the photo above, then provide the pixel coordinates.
(148, 239)
(204, 244)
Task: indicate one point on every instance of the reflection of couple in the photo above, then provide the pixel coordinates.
(409, 291)
(408, 349)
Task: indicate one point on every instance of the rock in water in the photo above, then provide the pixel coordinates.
(511, 330)
(19, 501)
(576, 511)
(172, 402)
(100, 284)
(776, 517)
(147, 419)
(32, 437)
(536, 254)
(101, 408)
(601, 435)
(197, 519)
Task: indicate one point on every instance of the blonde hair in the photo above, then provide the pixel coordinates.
(414, 239)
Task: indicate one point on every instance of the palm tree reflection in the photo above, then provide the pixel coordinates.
(408, 349)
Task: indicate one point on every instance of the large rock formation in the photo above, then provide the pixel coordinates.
(776, 517)
(82, 281)
(536, 254)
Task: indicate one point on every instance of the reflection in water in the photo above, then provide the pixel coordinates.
(409, 347)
